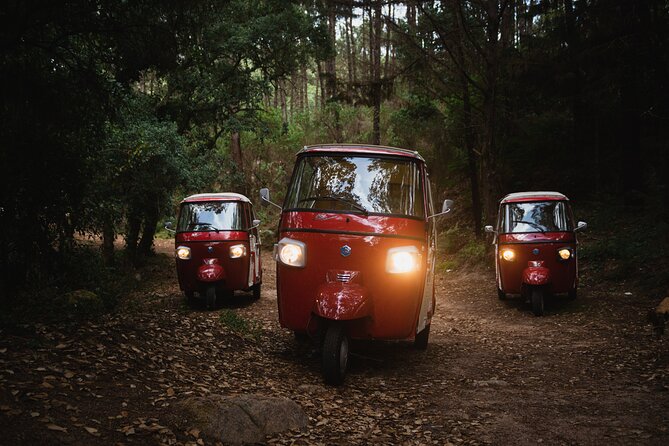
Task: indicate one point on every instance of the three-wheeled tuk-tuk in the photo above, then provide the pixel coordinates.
(535, 247)
(356, 249)
(217, 246)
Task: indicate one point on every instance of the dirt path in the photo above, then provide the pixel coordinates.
(588, 373)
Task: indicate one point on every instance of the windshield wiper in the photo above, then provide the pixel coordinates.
(343, 200)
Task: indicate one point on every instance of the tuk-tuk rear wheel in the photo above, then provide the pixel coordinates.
(211, 296)
(190, 296)
(573, 294)
(537, 300)
(335, 354)
(422, 337)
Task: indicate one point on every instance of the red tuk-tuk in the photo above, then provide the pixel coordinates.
(535, 247)
(356, 250)
(217, 246)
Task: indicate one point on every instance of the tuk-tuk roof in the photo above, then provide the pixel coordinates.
(534, 196)
(225, 196)
(369, 149)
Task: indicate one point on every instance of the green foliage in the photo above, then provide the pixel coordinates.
(458, 248)
(249, 329)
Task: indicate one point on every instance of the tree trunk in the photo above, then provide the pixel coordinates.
(151, 217)
(489, 158)
(134, 224)
(375, 52)
(108, 236)
(468, 131)
(238, 158)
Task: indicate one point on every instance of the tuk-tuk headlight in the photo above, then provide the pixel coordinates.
(183, 252)
(508, 255)
(291, 252)
(404, 259)
(237, 251)
(565, 253)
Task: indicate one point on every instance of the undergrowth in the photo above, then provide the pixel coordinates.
(79, 287)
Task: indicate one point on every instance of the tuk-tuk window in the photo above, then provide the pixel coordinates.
(357, 184)
(548, 216)
(211, 216)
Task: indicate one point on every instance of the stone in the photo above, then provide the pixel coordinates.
(238, 419)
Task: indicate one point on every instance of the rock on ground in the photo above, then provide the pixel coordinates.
(239, 419)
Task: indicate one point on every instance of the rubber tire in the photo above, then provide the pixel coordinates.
(573, 294)
(537, 301)
(501, 294)
(211, 297)
(190, 297)
(300, 336)
(335, 355)
(256, 291)
(422, 337)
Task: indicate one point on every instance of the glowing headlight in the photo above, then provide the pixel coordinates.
(237, 251)
(291, 252)
(565, 253)
(404, 259)
(183, 252)
(508, 255)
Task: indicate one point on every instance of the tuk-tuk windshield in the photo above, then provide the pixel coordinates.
(359, 184)
(545, 216)
(211, 216)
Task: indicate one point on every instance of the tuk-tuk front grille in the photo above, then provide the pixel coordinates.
(344, 277)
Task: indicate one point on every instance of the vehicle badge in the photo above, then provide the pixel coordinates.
(345, 251)
(535, 251)
(210, 249)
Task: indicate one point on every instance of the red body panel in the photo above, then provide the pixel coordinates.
(387, 304)
(559, 275)
(233, 273)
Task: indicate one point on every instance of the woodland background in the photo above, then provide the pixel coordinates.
(112, 111)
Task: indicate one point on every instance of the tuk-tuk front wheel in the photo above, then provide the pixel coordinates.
(420, 341)
(256, 291)
(537, 300)
(210, 295)
(501, 294)
(335, 354)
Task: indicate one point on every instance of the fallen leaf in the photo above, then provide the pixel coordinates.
(195, 432)
(93, 431)
(170, 391)
(55, 427)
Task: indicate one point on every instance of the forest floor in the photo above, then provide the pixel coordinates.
(589, 372)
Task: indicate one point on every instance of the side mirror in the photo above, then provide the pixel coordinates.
(446, 208)
(168, 227)
(256, 223)
(489, 229)
(264, 197)
(581, 225)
